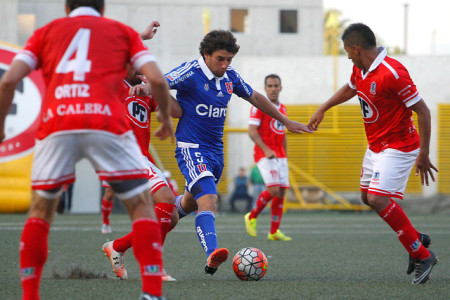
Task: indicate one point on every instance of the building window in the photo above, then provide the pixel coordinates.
(288, 21)
(238, 20)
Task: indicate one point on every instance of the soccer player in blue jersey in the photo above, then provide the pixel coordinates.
(204, 87)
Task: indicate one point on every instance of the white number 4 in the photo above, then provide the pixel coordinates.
(79, 65)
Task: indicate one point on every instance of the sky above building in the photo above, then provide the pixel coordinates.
(428, 22)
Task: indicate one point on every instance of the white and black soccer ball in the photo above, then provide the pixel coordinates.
(250, 264)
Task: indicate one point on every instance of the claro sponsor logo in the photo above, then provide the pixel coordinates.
(211, 111)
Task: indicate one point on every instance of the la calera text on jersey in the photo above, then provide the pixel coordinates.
(69, 91)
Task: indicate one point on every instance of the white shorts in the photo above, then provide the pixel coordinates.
(114, 158)
(386, 173)
(274, 171)
(156, 177)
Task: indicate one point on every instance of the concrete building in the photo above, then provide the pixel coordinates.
(263, 28)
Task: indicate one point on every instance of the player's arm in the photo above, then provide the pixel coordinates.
(256, 138)
(150, 31)
(285, 144)
(10, 79)
(146, 90)
(341, 96)
(176, 111)
(160, 92)
(423, 163)
(261, 102)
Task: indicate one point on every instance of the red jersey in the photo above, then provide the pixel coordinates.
(271, 130)
(83, 59)
(138, 110)
(386, 93)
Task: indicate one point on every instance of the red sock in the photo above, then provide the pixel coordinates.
(163, 213)
(147, 250)
(106, 210)
(33, 254)
(407, 234)
(124, 243)
(262, 201)
(277, 213)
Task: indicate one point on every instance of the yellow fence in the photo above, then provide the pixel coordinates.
(443, 148)
(333, 155)
(330, 158)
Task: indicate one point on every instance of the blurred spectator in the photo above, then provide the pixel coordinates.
(240, 191)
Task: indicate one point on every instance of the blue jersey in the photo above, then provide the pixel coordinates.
(204, 99)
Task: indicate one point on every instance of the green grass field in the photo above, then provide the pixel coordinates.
(333, 255)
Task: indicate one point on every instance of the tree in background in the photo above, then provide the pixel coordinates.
(333, 28)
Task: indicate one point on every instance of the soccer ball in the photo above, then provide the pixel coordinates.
(250, 264)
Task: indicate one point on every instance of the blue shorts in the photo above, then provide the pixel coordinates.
(196, 162)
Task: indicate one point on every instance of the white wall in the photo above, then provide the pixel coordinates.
(182, 25)
(8, 15)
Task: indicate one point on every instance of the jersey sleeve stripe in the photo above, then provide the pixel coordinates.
(410, 97)
(27, 57)
(350, 84)
(253, 121)
(141, 58)
(391, 69)
(186, 68)
(413, 101)
(404, 89)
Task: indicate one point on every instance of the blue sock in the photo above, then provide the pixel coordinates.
(206, 231)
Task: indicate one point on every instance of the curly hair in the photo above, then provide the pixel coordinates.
(218, 40)
(95, 4)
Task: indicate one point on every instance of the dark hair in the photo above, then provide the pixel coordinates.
(95, 4)
(275, 76)
(359, 34)
(218, 40)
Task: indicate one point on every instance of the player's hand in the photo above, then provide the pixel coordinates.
(425, 167)
(297, 127)
(315, 120)
(150, 31)
(270, 154)
(141, 89)
(165, 129)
